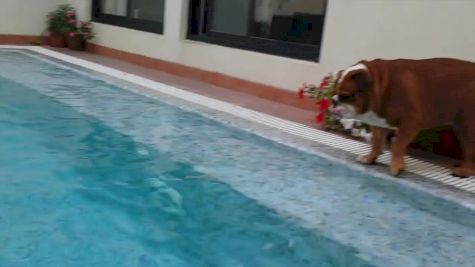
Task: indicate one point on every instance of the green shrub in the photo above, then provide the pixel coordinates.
(62, 20)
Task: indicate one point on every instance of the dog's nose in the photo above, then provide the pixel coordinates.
(335, 100)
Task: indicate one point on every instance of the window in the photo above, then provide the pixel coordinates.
(145, 15)
(291, 28)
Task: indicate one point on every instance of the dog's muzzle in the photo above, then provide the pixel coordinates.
(335, 101)
(342, 110)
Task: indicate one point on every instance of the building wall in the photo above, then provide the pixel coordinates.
(25, 17)
(83, 8)
(173, 46)
(398, 28)
(354, 30)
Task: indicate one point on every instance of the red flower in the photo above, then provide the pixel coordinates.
(70, 14)
(301, 93)
(72, 21)
(320, 118)
(324, 84)
(324, 104)
(72, 34)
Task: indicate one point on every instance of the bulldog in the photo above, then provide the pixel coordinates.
(409, 96)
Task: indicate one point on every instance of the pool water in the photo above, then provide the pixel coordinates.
(94, 175)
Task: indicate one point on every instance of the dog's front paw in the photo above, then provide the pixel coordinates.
(396, 168)
(463, 172)
(368, 159)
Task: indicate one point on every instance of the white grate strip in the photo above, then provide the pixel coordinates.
(416, 166)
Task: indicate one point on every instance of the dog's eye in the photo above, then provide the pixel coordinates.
(344, 98)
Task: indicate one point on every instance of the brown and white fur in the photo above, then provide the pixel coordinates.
(409, 96)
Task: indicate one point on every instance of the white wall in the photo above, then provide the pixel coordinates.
(25, 17)
(398, 28)
(83, 8)
(173, 46)
(354, 30)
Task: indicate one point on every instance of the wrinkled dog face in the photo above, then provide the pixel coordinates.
(351, 92)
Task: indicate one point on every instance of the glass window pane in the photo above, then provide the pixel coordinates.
(289, 20)
(231, 17)
(298, 21)
(147, 9)
(114, 7)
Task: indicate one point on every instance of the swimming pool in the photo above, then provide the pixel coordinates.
(95, 175)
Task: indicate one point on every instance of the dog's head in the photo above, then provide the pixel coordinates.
(352, 91)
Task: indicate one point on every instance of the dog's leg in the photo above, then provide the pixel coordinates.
(378, 141)
(466, 134)
(404, 137)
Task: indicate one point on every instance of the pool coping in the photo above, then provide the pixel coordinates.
(422, 175)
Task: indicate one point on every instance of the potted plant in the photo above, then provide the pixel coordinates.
(78, 37)
(440, 140)
(59, 23)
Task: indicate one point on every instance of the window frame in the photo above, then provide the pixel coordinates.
(125, 21)
(301, 51)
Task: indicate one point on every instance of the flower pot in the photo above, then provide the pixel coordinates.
(449, 146)
(76, 42)
(56, 40)
(440, 141)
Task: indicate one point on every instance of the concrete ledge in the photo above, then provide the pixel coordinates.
(18, 39)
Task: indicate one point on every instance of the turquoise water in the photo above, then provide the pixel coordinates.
(75, 192)
(93, 175)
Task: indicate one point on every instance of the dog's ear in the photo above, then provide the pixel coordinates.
(338, 76)
(362, 80)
